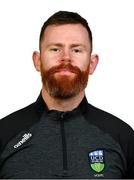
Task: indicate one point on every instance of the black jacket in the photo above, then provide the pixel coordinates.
(84, 143)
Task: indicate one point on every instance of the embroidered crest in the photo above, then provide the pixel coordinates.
(96, 159)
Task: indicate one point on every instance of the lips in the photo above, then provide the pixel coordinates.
(65, 70)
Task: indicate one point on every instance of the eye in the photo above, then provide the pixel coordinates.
(55, 49)
(76, 50)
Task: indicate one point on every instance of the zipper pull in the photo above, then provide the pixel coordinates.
(62, 115)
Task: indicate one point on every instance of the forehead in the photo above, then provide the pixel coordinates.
(75, 33)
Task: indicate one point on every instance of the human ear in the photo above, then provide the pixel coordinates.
(36, 60)
(93, 63)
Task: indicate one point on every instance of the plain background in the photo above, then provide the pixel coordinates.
(112, 22)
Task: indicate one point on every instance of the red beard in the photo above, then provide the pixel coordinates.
(64, 86)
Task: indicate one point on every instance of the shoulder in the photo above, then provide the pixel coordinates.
(109, 123)
(16, 122)
(106, 121)
(19, 116)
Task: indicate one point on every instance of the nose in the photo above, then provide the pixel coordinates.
(66, 56)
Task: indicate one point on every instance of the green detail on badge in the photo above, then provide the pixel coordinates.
(98, 167)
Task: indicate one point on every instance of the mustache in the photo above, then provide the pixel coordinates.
(68, 67)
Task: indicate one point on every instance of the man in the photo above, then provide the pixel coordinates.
(61, 135)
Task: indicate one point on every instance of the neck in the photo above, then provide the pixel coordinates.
(62, 104)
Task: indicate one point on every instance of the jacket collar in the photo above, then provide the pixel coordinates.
(41, 106)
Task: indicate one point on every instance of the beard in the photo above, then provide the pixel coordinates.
(64, 86)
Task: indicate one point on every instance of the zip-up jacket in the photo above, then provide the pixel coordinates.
(84, 143)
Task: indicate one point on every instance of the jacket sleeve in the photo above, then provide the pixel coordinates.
(127, 143)
(131, 157)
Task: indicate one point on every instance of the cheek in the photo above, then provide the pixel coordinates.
(49, 59)
(49, 56)
(86, 62)
(83, 63)
(46, 61)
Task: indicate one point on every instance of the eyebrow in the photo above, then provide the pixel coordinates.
(61, 45)
(78, 45)
(55, 44)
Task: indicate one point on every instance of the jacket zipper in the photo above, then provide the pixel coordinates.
(64, 145)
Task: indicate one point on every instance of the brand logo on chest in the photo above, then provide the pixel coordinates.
(25, 137)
